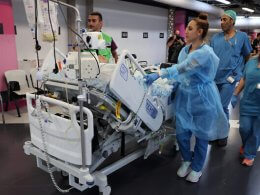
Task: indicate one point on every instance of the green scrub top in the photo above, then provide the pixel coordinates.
(106, 52)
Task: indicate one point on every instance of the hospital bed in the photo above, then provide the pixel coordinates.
(119, 110)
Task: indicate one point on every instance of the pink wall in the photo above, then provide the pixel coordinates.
(180, 18)
(6, 16)
(8, 55)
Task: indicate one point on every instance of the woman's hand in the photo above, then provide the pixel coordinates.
(150, 78)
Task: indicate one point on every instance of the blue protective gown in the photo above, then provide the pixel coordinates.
(232, 55)
(250, 102)
(197, 103)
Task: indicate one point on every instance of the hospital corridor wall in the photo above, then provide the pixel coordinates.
(8, 53)
(25, 43)
(118, 17)
(135, 19)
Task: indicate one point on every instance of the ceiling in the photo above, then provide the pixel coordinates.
(148, 2)
(235, 5)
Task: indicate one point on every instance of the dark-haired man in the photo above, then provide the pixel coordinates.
(233, 49)
(256, 43)
(174, 44)
(95, 24)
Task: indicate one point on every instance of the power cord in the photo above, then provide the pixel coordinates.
(37, 46)
(56, 69)
(39, 116)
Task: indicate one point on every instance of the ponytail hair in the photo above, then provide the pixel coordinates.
(203, 16)
(202, 23)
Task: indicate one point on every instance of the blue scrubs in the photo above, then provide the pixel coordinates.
(250, 110)
(197, 105)
(200, 150)
(232, 55)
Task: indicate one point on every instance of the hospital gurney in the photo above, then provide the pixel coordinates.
(115, 116)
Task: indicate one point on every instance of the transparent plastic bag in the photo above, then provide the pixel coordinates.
(47, 34)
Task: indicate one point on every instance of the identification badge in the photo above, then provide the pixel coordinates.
(258, 86)
(230, 79)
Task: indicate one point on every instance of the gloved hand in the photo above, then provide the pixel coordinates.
(150, 78)
(234, 100)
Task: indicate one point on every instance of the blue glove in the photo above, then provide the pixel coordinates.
(150, 78)
(234, 100)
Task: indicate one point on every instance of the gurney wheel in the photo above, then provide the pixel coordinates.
(106, 191)
(64, 175)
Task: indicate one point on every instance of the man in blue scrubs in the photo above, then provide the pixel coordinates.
(233, 49)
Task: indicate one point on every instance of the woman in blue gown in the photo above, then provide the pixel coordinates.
(197, 105)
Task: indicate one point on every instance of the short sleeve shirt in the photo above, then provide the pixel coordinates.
(232, 55)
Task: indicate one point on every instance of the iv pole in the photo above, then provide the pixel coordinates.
(82, 96)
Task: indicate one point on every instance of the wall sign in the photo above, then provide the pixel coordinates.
(124, 35)
(161, 35)
(145, 35)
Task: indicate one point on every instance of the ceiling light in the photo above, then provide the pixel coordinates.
(223, 1)
(248, 9)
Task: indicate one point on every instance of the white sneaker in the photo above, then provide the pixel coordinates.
(184, 169)
(194, 176)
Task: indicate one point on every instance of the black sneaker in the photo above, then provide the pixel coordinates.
(212, 142)
(222, 142)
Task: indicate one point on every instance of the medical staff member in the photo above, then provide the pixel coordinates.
(95, 24)
(249, 110)
(233, 49)
(256, 43)
(197, 103)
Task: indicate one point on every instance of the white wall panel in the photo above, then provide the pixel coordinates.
(24, 39)
(135, 19)
(118, 16)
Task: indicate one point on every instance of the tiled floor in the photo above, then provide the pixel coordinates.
(11, 116)
(223, 173)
